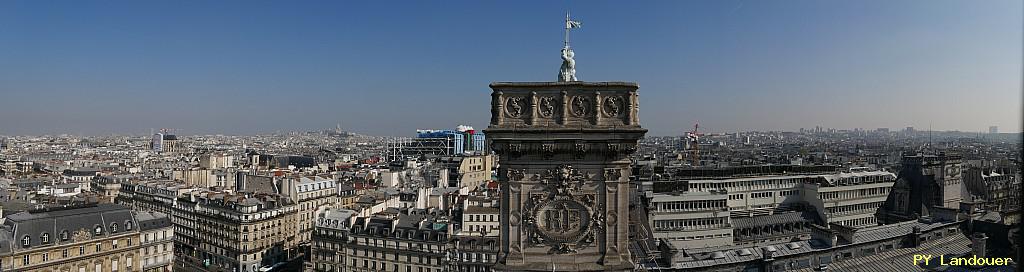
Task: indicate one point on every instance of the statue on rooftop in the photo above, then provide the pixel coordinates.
(568, 70)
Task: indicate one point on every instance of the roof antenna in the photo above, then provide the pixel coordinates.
(930, 147)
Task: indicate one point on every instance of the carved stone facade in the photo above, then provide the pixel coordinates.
(564, 174)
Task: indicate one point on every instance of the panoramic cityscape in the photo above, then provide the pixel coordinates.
(458, 136)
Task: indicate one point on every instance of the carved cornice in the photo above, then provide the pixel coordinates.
(548, 149)
(609, 104)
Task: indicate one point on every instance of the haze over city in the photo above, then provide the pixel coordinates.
(386, 68)
(516, 136)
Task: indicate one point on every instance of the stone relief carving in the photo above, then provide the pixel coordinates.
(515, 106)
(580, 150)
(513, 218)
(563, 217)
(548, 150)
(81, 235)
(579, 106)
(514, 174)
(547, 107)
(612, 174)
(617, 149)
(613, 106)
(564, 181)
(515, 150)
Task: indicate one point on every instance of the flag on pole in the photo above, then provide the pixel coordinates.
(572, 24)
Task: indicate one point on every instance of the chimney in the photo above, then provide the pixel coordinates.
(978, 244)
(916, 236)
(767, 258)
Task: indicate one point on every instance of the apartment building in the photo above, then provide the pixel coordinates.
(94, 238)
(330, 236)
(311, 194)
(225, 231)
(728, 206)
(402, 241)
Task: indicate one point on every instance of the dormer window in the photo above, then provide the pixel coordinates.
(99, 230)
(128, 225)
(63, 235)
(113, 227)
(25, 241)
(45, 238)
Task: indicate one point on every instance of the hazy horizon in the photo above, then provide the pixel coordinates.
(243, 68)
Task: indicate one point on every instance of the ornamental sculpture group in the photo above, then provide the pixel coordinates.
(562, 216)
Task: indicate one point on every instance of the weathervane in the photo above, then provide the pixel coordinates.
(568, 70)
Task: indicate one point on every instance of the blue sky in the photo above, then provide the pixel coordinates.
(390, 67)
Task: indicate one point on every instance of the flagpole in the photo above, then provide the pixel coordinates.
(566, 45)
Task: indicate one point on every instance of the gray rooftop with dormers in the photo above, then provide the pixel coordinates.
(59, 225)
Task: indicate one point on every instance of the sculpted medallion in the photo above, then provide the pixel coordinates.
(613, 106)
(514, 106)
(547, 107)
(561, 216)
(579, 106)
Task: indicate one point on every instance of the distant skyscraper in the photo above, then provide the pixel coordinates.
(993, 129)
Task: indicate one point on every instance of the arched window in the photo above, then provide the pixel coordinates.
(113, 227)
(64, 235)
(99, 230)
(128, 225)
(45, 238)
(25, 241)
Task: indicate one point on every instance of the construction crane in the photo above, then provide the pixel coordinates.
(694, 138)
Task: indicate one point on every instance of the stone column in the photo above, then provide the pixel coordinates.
(498, 114)
(565, 107)
(533, 108)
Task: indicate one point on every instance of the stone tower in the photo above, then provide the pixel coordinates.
(564, 172)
